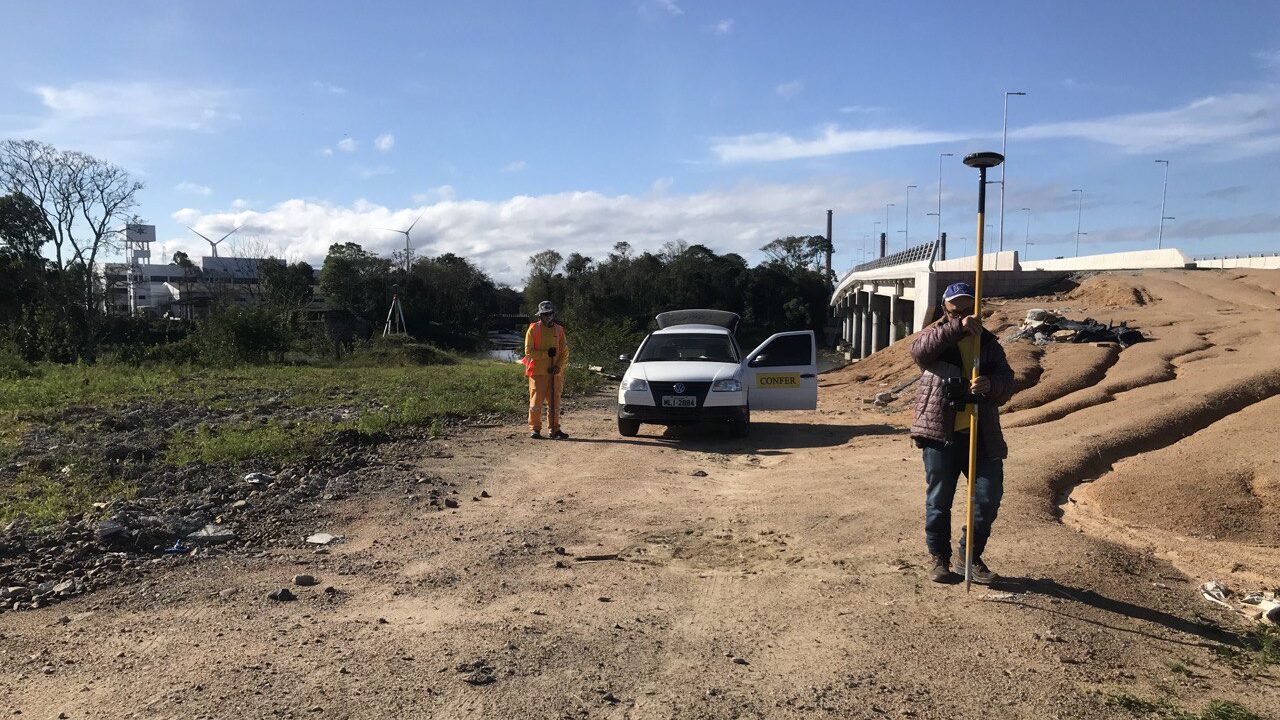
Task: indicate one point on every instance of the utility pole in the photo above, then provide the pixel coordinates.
(1079, 215)
(1027, 250)
(940, 156)
(906, 219)
(1004, 142)
(1164, 194)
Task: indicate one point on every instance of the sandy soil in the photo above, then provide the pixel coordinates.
(778, 576)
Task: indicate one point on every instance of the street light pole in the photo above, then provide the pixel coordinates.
(940, 156)
(886, 219)
(906, 219)
(1027, 250)
(1079, 214)
(1004, 142)
(1164, 194)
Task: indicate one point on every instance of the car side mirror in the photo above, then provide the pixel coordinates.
(624, 358)
(758, 359)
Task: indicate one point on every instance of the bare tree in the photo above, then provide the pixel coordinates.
(85, 200)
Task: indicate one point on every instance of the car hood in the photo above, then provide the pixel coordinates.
(683, 371)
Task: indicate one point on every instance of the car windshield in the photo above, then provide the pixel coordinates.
(703, 347)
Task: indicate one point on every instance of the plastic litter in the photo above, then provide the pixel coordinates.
(1216, 593)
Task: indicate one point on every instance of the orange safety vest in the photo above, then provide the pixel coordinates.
(527, 360)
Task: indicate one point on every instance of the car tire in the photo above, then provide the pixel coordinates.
(742, 427)
(628, 428)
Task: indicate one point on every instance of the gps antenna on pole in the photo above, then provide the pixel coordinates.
(983, 161)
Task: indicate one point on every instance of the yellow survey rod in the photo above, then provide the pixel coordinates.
(982, 161)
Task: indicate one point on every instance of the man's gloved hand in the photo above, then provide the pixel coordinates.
(980, 386)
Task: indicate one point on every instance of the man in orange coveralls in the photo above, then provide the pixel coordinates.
(546, 354)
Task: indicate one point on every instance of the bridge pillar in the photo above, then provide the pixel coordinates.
(865, 348)
(893, 316)
(855, 327)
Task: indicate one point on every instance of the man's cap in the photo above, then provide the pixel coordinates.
(955, 290)
(546, 307)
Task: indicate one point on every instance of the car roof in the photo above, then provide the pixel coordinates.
(674, 329)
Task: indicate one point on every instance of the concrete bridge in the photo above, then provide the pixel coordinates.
(887, 299)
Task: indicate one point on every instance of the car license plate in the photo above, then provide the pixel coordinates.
(680, 401)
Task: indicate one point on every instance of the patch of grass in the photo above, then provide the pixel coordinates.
(1226, 710)
(1177, 666)
(1263, 645)
(1141, 707)
(1165, 708)
(468, 388)
(46, 499)
(234, 443)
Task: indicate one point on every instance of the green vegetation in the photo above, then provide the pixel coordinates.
(44, 499)
(305, 407)
(1165, 708)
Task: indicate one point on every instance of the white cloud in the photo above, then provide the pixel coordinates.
(663, 7)
(384, 142)
(328, 87)
(514, 167)
(724, 27)
(850, 109)
(347, 145)
(125, 122)
(444, 193)
(193, 188)
(185, 216)
(326, 151)
(500, 235)
(1269, 58)
(788, 90)
(832, 140)
(661, 185)
(239, 204)
(1238, 123)
(365, 172)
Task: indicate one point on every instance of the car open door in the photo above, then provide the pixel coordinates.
(782, 374)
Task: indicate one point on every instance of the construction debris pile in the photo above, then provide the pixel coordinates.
(1260, 605)
(1043, 327)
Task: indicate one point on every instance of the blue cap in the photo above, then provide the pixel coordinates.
(955, 290)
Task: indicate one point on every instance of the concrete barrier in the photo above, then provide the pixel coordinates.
(1136, 260)
(1262, 262)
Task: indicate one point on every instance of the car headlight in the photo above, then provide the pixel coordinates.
(636, 384)
(727, 385)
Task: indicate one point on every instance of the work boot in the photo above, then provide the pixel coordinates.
(941, 571)
(536, 434)
(558, 434)
(982, 574)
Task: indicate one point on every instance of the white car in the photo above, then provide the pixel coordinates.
(692, 370)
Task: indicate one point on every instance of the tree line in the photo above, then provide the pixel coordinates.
(61, 213)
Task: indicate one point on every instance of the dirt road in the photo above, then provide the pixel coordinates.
(778, 576)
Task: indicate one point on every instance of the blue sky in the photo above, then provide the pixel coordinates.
(514, 127)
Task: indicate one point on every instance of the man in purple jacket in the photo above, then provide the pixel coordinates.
(944, 352)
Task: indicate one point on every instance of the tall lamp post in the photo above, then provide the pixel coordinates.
(1027, 239)
(906, 218)
(886, 218)
(939, 213)
(982, 161)
(1164, 194)
(1004, 142)
(1079, 215)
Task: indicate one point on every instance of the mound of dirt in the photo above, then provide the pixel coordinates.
(1112, 291)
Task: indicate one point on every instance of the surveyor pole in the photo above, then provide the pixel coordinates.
(982, 161)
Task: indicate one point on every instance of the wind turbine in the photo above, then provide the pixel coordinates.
(408, 251)
(212, 244)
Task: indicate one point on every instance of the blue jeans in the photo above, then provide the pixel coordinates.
(943, 465)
